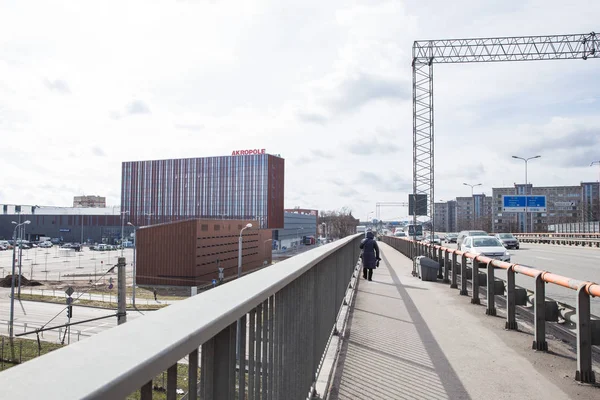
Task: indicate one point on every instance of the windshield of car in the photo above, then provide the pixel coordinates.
(477, 233)
(506, 236)
(486, 242)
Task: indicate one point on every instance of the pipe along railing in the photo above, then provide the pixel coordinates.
(570, 239)
(287, 315)
(587, 335)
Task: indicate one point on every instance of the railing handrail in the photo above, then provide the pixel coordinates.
(592, 288)
(118, 361)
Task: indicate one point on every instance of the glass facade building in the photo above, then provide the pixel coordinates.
(228, 187)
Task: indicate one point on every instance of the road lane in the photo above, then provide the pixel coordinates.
(582, 263)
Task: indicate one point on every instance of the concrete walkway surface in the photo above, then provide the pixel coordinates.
(409, 339)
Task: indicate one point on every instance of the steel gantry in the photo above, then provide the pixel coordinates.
(426, 53)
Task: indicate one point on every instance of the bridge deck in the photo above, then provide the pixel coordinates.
(409, 339)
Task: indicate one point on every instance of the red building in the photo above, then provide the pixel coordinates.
(190, 253)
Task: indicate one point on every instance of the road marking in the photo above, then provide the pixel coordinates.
(95, 327)
(545, 258)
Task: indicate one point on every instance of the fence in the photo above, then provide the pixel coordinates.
(570, 239)
(576, 227)
(287, 313)
(588, 329)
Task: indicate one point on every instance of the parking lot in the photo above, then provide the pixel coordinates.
(55, 265)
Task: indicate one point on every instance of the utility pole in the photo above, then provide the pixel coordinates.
(121, 292)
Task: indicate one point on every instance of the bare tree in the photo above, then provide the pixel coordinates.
(340, 223)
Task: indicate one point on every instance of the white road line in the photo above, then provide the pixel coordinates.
(95, 327)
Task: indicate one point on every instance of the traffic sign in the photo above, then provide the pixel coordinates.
(536, 203)
(214, 282)
(69, 291)
(521, 203)
(69, 300)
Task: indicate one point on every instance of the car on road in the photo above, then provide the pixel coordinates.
(509, 241)
(436, 239)
(451, 237)
(400, 234)
(489, 246)
(462, 235)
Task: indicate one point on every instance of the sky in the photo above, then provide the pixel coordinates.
(85, 85)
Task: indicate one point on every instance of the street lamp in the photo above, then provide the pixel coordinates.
(473, 199)
(525, 189)
(12, 280)
(134, 266)
(249, 225)
(123, 229)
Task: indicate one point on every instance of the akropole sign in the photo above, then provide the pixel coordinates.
(248, 152)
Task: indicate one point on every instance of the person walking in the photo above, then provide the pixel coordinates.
(370, 255)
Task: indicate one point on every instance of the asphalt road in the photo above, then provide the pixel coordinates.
(581, 263)
(32, 315)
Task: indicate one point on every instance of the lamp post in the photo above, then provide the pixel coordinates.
(123, 229)
(525, 189)
(134, 265)
(249, 225)
(473, 199)
(12, 280)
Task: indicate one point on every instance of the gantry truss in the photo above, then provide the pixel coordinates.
(426, 53)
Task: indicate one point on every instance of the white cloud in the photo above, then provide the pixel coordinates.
(313, 81)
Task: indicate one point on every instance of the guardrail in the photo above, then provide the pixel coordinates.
(570, 239)
(286, 313)
(588, 330)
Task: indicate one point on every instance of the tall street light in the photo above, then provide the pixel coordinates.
(123, 229)
(473, 199)
(134, 266)
(249, 225)
(12, 281)
(526, 199)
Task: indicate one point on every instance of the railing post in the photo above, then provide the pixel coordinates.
(440, 262)
(446, 266)
(242, 358)
(463, 276)
(584, 371)
(146, 391)
(454, 267)
(218, 365)
(475, 281)
(172, 382)
(539, 342)
(491, 295)
(511, 300)
(193, 375)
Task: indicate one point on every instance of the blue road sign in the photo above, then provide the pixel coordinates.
(214, 282)
(522, 203)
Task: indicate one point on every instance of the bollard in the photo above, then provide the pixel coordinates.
(25, 327)
(491, 291)
(446, 267)
(78, 335)
(539, 306)
(463, 276)
(584, 373)
(475, 282)
(453, 285)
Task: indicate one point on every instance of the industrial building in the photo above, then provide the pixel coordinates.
(189, 253)
(242, 186)
(69, 224)
(298, 224)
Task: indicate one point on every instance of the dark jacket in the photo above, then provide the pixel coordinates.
(370, 251)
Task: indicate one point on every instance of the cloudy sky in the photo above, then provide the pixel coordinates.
(85, 85)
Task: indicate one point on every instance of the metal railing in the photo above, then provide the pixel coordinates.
(588, 330)
(570, 239)
(287, 314)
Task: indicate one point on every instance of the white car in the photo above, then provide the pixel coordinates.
(488, 246)
(45, 245)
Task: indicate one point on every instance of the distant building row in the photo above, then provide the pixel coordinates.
(565, 204)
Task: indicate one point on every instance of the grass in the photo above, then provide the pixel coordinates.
(25, 349)
(85, 302)
(143, 294)
(160, 383)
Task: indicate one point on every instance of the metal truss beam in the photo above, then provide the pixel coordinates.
(426, 53)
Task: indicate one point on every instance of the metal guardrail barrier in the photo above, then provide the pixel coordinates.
(587, 329)
(571, 239)
(290, 310)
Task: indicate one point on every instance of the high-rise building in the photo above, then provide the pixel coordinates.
(564, 205)
(248, 186)
(89, 201)
(445, 216)
(474, 212)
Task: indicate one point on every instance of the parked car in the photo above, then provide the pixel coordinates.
(45, 245)
(489, 246)
(462, 235)
(509, 241)
(5, 245)
(451, 237)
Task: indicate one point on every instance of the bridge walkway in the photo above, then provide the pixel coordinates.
(410, 339)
